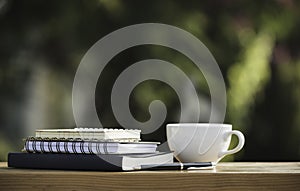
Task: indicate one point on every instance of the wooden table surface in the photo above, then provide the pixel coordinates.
(226, 176)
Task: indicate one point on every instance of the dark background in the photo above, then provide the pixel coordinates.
(256, 44)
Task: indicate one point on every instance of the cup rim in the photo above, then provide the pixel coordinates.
(199, 124)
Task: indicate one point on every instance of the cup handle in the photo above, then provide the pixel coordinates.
(238, 147)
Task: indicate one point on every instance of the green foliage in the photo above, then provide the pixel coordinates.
(5, 148)
(248, 77)
(256, 45)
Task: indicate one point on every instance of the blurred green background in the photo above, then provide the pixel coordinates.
(256, 44)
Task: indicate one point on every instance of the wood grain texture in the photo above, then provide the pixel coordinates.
(226, 176)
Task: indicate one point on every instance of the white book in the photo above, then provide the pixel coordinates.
(129, 135)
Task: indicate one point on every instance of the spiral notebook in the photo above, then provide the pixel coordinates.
(46, 145)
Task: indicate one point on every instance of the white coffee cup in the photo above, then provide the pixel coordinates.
(202, 142)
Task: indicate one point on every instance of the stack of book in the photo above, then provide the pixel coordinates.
(88, 149)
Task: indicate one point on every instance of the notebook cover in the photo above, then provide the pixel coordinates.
(64, 161)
